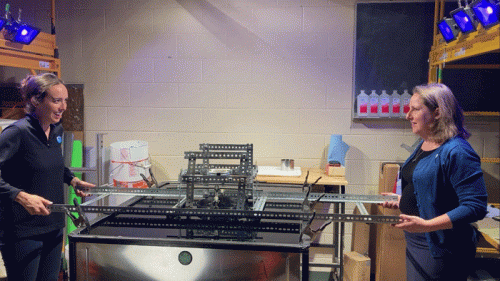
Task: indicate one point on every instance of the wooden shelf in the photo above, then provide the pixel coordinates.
(480, 42)
(37, 56)
(476, 43)
(482, 113)
(490, 160)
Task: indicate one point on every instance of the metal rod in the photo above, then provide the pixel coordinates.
(254, 215)
(287, 196)
(90, 202)
(361, 208)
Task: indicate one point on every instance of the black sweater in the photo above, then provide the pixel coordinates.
(31, 163)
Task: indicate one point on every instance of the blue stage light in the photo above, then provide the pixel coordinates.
(26, 34)
(21, 33)
(16, 31)
(448, 29)
(2, 23)
(486, 12)
(464, 17)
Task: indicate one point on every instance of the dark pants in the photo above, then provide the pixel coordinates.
(33, 258)
(422, 266)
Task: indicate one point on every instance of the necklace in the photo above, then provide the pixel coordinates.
(417, 155)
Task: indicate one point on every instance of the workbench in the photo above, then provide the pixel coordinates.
(327, 251)
(489, 243)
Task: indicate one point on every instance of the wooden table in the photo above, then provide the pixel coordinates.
(326, 184)
(489, 244)
(314, 173)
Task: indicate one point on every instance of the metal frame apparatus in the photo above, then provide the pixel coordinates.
(207, 173)
(293, 202)
(275, 213)
(252, 221)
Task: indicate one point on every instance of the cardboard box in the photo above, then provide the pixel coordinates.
(334, 171)
(390, 250)
(356, 267)
(382, 243)
(387, 177)
(361, 234)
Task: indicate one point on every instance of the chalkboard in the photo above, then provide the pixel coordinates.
(393, 41)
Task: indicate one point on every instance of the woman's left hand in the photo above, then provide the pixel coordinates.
(412, 224)
(79, 186)
(417, 224)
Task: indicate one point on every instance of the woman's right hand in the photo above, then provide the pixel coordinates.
(391, 204)
(34, 204)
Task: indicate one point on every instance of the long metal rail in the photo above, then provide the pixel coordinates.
(176, 193)
(234, 214)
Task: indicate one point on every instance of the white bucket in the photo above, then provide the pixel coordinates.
(130, 159)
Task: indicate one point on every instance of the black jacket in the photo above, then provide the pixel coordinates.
(31, 163)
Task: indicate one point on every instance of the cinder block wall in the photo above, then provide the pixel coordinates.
(275, 73)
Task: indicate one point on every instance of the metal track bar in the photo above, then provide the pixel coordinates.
(331, 198)
(199, 167)
(211, 179)
(286, 196)
(90, 202)
(204, 224)
(225, 146)
(361, 208)
(171, 193)
(236, 214)
(259, 204)
(232, 167)
(159, 202)
(214, 155)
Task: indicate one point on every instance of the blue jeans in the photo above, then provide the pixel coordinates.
(33, 258)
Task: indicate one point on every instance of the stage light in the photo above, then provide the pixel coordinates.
(448, 29)
(16, 31)
(486, 11)
(464, 17)
(21, 33)
(2, 23)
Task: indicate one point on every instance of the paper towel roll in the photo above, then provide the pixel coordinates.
(337, 149)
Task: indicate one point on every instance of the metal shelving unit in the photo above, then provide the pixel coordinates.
(480, 42)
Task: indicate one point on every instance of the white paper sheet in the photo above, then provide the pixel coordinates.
(276, 171)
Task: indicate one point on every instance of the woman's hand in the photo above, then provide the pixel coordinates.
(417, 224)
(79, 186)
(412, 224)
(391, 204)
(34, 204)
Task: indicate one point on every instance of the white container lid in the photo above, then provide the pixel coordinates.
(5, 122)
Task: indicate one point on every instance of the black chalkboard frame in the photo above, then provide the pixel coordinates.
(393, 41)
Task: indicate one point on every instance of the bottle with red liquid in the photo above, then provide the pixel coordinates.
(373, 104)
(362, 101)
(405, 98)
(384, 105)
(395, 104)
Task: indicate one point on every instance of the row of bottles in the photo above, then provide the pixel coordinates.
(383, 105)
